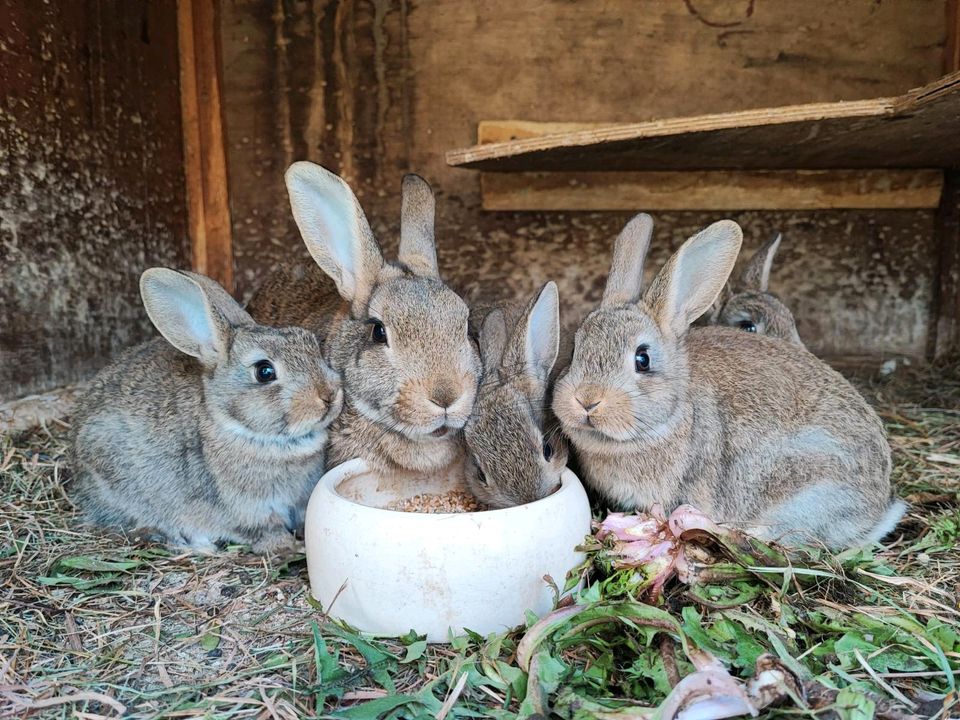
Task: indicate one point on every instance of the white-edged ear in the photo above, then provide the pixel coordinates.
(418, 249)
(626, 271)
(493, 340)
(185, 308)
(334, 229)
(693, 277)
(756, 273)
(541, 332)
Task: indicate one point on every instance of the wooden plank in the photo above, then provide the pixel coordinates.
(497, 131)
(951, 47)
(918, 129)
(205, 164)
(946, 336)
(713, 190)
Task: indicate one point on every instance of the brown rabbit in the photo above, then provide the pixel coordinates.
(395, 332)
(747, 428)
(516, 454)
(516, 448)
(214, 435)
(748, 303)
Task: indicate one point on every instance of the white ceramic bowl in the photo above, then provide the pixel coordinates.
(387, 572)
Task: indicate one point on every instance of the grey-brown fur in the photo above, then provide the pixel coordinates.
(512, 431)
(749, 429)
(406, 401)
(748, 304)
(184, 441)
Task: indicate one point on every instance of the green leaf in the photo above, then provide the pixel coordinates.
(546, 674)
(375, 709)
(92, 564)
(415, 651)
(853, 705)
(210, 639)
(103, 582)
(379, 661)
(329, 672)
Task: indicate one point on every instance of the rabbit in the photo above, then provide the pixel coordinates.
(395, 331)
(749, 429)
(514, 459)
(748, 303)
(212, 434)
(517, 450)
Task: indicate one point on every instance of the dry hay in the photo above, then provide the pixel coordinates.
(94, 625)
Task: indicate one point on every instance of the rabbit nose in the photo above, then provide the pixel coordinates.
(327, 394)
(444, 396)
(589, 407)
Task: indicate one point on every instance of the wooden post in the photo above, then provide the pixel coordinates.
(946, 340)
(204, 152)
(946, 328)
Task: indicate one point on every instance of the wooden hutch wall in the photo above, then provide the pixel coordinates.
(91, 182)
(92, 164)
(374, 89)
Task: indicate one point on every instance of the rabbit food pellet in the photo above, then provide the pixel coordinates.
(453, 501)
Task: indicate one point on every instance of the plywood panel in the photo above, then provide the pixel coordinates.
(918, 129)
(91, 187)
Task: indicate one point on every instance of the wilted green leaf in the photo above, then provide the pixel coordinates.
(854, 705)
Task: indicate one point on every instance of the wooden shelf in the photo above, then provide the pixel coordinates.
(920, 129)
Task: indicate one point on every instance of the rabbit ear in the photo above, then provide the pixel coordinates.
(335, 230)
(756, 274)
(193, 313)
(536, 340)
(626, 271)
(493, 340)
(417, 210)
(693, 277)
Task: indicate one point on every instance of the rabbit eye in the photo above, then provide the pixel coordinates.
(264, 372)
(547, 451)
(378, 333)
(747, 325)
(641, 359)
(481, 477)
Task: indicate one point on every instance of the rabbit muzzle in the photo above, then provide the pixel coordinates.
(435, 408)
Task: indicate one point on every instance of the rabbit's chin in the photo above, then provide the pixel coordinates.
(439, 427)
(304, 439)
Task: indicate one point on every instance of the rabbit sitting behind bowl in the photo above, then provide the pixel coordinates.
(216, 434)
(514, 459)
(517, 450)
(394, 330)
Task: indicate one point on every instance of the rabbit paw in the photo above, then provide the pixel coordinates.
(278, 541)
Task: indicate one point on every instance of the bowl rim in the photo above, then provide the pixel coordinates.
(358, 466)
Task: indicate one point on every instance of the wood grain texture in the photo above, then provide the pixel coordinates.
(91, 181)
(917, 129)
(721, 190)
(204, 154)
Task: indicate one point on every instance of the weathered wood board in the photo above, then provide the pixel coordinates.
(916, 130)
(722, 190)
(204, 154)
(91, 181)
